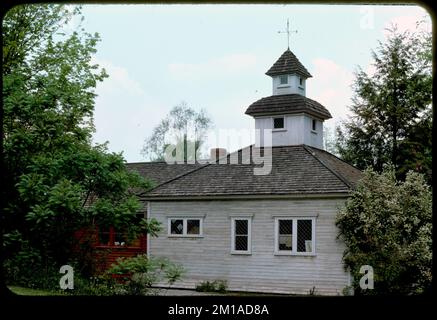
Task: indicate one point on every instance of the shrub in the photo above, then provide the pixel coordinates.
(212, 286)
(141, 273)
(387, 224)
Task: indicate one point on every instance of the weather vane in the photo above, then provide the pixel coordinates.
(288, 31)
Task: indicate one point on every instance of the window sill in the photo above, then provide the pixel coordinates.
(314, 131)
(282, 86)
(241, 253)
(184, 236)
(279, 130)
(295, 254)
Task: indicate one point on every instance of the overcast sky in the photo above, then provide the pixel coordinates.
(215, 56)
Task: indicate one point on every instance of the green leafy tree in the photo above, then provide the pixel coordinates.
(391, 111)
(182, 128)
(55, 180)
(387, 224)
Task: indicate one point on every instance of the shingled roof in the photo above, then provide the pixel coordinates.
(287, 104)
(286, 64)
(160, 172)
(296, 170)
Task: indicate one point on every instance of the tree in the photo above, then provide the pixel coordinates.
(55, 180)
(182, 127)
(388, 225)
(391, 109)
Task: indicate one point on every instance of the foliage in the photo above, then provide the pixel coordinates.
(182, 128)
(28, 269)
(55, 180)
(391, 111)
(141, 273)
(212, 286)
(387, 224)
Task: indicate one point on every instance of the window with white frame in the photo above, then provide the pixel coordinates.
(278, 123)
(283, 79)
(241, 235)
(185, 227)
(295, 236)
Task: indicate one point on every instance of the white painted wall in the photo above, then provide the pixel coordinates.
(293, 85)
(298, 130)
(311, 137)
(209, 257)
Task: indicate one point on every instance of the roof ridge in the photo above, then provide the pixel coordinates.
(331, 154)
(327, 167)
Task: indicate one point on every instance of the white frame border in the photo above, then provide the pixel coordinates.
(294, 252)
(249, 235)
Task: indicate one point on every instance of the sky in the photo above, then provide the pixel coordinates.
(215, 57)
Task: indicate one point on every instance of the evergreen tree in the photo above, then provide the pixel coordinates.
(391, 108)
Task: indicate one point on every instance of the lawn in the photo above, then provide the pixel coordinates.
(32, 292)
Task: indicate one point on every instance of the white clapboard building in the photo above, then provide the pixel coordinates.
(261, 233)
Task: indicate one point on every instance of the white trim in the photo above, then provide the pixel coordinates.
(249, 235)
(184, 226)
(185, 215)
(294, 215)
(241, 215)
(294, 251)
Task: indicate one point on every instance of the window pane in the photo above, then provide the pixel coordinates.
(278, 123)
(241, 227)
(193, 226)
(177, 226)
(240, 243)
(104, 237)
(314, 125)
(120, 239)
(283, 79)
(285, 236)
(304, 235)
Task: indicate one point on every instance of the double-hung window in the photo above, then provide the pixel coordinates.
(188, 227)
(294, 236)
(241, 235)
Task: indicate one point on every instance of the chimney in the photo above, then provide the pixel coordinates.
(217, 153)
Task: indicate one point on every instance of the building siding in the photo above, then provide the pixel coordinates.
(209, 257)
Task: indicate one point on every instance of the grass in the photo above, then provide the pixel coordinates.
(32, 292)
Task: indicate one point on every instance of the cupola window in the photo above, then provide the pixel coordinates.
(283, 79)
(314, 124)
(278, 123)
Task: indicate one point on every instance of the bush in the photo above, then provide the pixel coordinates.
(212, 286)
(387, 224)
(141, 273)
(27, 268)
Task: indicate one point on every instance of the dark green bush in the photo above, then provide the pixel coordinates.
(212, 286)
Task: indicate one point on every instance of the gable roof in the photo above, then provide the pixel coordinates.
(286, 64)
(287, 104)
(296, 170)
